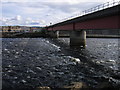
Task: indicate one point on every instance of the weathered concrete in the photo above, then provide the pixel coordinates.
(78, 38)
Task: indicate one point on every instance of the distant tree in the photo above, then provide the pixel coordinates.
(9, 28)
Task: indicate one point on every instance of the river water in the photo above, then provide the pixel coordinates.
(28, 63)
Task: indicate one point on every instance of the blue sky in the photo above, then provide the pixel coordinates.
(42, 12)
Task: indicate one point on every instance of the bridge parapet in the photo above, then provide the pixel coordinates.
(101, 7)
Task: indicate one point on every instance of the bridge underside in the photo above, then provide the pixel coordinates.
(108, 19)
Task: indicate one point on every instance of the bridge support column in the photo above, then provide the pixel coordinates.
(78, 39)
(54, 34)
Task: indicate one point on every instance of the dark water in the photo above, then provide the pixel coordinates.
(33, 62)
(102, 51)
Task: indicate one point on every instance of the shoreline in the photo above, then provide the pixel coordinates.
(40, 34)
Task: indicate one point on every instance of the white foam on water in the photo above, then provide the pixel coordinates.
(39, 68)
(31, 71)
(53, 45)
(9, 71)
(9, 66)
(109, 45)
(74, 59)
(15, 77)
(6, 49)
(17, 52)
(114, 67)
(16, 57)
(24, 81)
(57, 47)
(111, 60)
(47, 41)
(28, 76)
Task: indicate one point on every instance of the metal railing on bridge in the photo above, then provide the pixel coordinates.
(91, 10)
(101, 7)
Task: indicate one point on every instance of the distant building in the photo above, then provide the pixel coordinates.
(36, 29)
(25, 28)
(14, 28)
(19, 29)
(11, 29)
(0, 28)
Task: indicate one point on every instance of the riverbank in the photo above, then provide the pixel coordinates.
(102, 36)
(42, 34)
(21, 34)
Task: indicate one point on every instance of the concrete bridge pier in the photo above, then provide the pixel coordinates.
(78, 39)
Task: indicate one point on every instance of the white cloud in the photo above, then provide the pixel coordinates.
(18, 21)
(42, 12)
(18, 17)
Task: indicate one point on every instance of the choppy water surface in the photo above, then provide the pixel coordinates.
(33, 62)
(103, 51)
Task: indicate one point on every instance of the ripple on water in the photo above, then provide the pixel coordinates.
(64, 66)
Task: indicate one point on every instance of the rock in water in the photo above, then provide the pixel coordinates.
(76, 86)
(43, 88)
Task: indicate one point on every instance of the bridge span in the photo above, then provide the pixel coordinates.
(106, 19)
